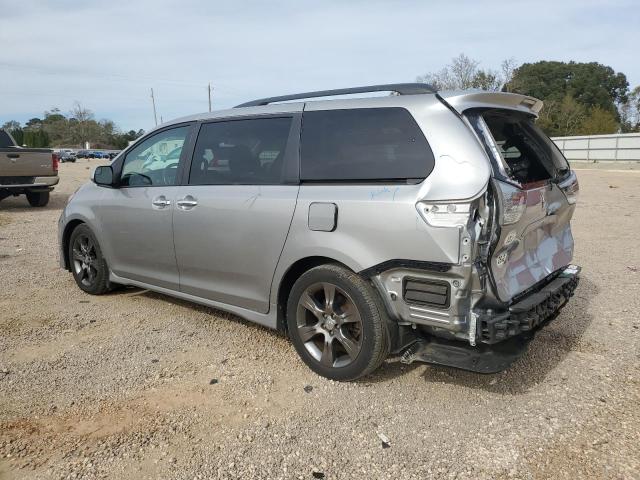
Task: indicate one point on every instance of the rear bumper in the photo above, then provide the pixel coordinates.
(503, 337)
(541, 304)
(29, 183)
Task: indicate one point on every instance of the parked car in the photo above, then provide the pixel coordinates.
(360, 227)
(67, 155)
(82, 154)
(113, 155)
(29, 171)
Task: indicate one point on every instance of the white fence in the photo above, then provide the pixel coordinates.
(613, 147)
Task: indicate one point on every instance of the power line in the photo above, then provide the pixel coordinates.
(74, 72)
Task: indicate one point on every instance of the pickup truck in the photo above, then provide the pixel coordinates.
(29, 171)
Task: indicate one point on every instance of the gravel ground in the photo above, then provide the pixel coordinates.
(139, 385)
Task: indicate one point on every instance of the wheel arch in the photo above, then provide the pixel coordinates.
(66, 235)
(292, 274)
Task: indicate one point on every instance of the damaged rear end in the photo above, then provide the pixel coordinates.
(516, 238)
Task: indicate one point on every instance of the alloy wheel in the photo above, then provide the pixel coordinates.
(329, 325)
(85, 260)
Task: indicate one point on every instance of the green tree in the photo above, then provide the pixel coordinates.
(59, 130)
(486, 80)
(630, 112)
(562, 117)
(599, 121)
(18, 136)
(57, 127)
(36, 138)
(591, 84)
(34, 123)
(11, 125)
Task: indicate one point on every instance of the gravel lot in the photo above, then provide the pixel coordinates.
(139, 385)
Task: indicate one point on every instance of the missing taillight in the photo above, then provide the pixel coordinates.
(445, 214)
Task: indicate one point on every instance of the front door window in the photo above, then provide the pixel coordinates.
(154, 162)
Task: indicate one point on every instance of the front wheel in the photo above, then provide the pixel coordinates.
(38, 199)
(88, 266)
(337, 323)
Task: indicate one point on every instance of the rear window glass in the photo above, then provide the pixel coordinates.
(363, 144)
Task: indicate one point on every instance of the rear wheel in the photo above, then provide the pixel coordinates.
(38, 199)
(336, 323)
(88, 266)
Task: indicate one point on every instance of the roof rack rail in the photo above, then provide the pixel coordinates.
(400, 88)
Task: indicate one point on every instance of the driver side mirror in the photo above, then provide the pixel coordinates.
(103, 176)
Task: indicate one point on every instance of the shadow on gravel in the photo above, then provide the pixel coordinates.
(134, 291)
(57, 201)
(546, 351)
(550, 346)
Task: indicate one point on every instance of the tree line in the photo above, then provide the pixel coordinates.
(72, 130)
(579, 98)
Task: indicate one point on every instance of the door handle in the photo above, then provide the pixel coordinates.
(13, 155)
(161, 202)
(187, 202)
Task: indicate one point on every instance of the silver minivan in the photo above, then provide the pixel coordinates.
(434, 226)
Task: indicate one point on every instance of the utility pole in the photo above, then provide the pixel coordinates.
(209, 96)
(153, 101)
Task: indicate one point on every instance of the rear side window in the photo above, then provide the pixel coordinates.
(363, 144)
(240, 152)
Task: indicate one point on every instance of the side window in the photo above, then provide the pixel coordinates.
(249, 152)
(155, 161)
(363, 144)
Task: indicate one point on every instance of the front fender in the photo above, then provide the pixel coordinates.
(80, 209)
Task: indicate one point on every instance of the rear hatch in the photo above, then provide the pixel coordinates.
(26, 162)
(534, 193)
(18, 164)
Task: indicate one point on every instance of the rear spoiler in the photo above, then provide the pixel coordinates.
(464, 100)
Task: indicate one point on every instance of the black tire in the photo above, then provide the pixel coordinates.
(352, 292)
(38, 199)
(89, 269)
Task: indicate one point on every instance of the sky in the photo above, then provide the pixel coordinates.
(107, 55)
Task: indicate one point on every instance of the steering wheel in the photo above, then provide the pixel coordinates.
(169, 173)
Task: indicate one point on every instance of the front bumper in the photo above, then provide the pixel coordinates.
(531, 311)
